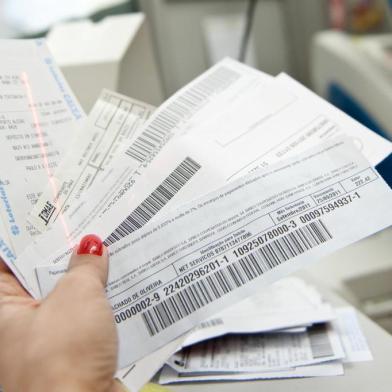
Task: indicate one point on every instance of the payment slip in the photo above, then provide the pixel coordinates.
(222, 247)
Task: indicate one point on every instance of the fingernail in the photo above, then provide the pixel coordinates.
(90, 244)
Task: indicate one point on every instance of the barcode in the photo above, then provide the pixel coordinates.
(180, 109)
(225, 280)
(210, 323)
(319, 341)
(156, 200)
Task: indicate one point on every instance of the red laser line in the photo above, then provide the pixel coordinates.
(37, 126)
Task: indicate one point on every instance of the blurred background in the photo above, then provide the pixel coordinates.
(148, 49)
(328, 45)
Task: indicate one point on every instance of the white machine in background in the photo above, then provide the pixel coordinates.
(115, 53)
(355, 74)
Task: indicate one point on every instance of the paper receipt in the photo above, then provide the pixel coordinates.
(180, 269)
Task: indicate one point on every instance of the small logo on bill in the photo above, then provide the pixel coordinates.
(47, 212)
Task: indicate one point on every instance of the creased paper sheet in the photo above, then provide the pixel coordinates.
(346, 326)
(260, 352)
(140, 372)
(220, 248)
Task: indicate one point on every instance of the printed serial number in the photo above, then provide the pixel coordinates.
(137, 308)
(327, 208)
(264, 238)
(194, 275)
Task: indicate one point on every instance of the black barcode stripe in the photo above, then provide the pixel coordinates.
(156, 200)
(227, 279)
(180, 109)
(319, 341)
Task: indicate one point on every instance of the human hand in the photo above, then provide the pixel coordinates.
(66, 342)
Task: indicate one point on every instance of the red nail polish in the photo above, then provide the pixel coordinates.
(90, 244)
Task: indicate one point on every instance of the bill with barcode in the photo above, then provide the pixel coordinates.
(182, 268)
(113, 122)
(230, 121)
(130, 179)
(259, 352)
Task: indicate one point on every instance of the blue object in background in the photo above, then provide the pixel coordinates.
(385, 169)
(341, 99)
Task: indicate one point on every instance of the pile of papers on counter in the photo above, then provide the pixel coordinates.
(285, 331)
(235, 182)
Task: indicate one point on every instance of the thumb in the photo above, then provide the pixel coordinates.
(91, 258)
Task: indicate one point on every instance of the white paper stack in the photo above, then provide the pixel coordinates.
(287, 331)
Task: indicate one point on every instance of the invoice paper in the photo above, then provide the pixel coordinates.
(346, 326)
(112, 124)
(220, 248)
(39, 116)
(333, 368)
(372, 146)
(115, 197)
(354, 342)
(285, 304)
(260, 352)
(257, 124)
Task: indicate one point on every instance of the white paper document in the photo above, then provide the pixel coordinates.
(252, 122)
(39, 116)
(110, 201)
(112, 124)
(169, 375)
(198, 364)
(354, 342)
(224, 246)
(142, 371)
(284, 305)
(260, 352)
(328, 123)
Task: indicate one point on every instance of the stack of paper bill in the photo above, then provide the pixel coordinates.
(234, 182)
(285, 331)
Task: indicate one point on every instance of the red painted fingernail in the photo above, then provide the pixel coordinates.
(90, 244)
